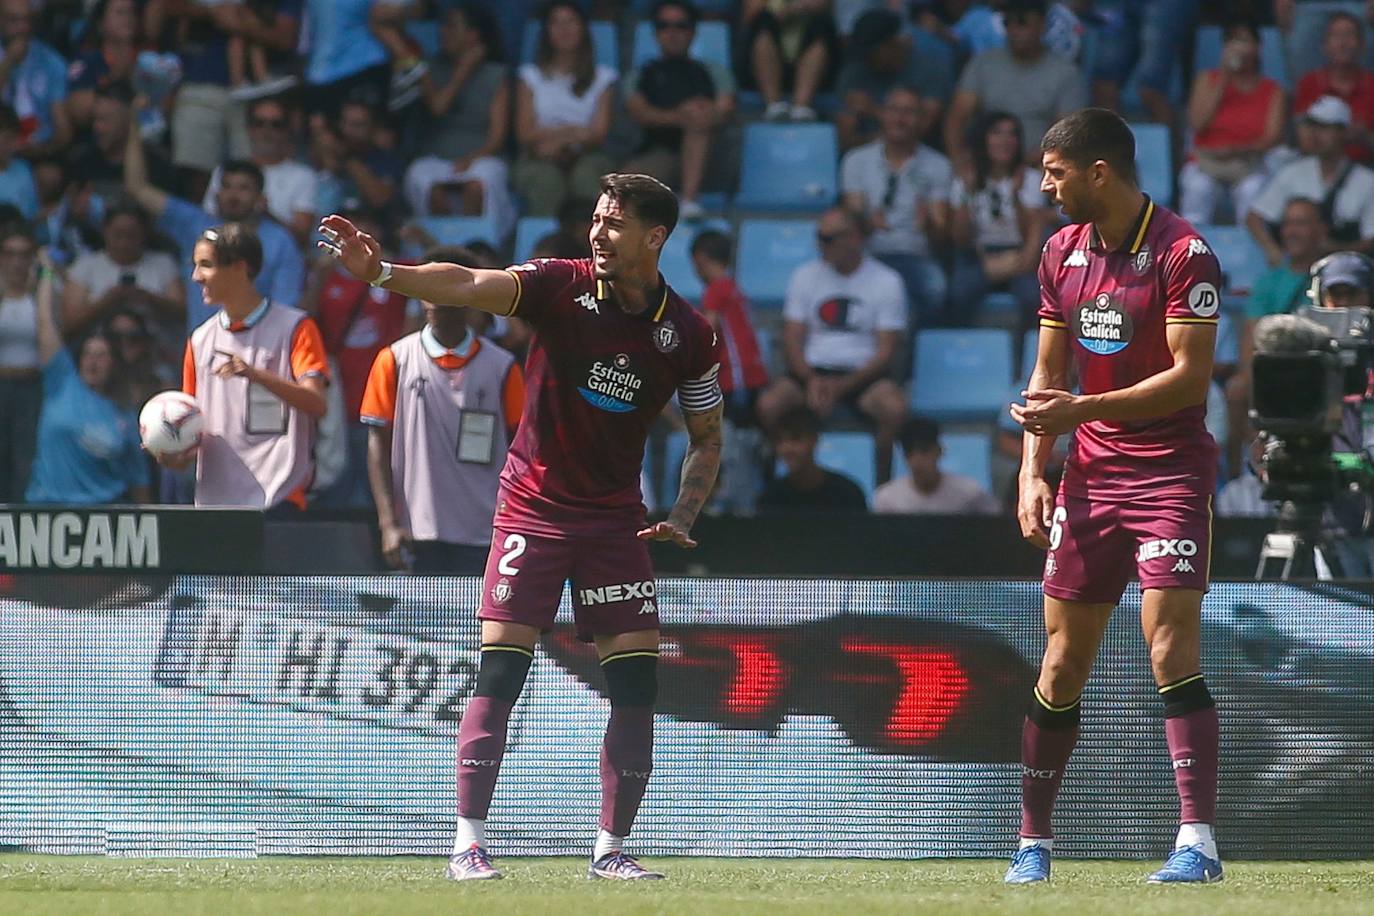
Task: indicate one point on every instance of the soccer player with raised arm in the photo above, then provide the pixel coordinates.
(1130, 292)
(612, 344)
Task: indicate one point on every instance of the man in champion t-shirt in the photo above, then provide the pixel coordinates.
(1130, 291)
(612, 344)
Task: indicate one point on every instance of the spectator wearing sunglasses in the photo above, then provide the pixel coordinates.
(137, 363)
(681, 104)
(290, 187)
(999, 221)
(902, 188)
(843, 318)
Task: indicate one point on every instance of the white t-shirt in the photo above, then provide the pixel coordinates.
(18, 333)
(555, 105)
(843, 314)
(994, 214)
(924, 178)
(290, 187)
(1302, 178)
(154, 272)
(956, 495)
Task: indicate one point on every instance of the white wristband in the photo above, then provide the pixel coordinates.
(383, 275)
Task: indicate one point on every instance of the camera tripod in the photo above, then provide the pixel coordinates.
(1299, 545)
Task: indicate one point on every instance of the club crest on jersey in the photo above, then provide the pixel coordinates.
(612, 385)
(1102, 326)
(665, 337)
(1143, 260)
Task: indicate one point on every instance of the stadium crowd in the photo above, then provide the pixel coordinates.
(861, 214)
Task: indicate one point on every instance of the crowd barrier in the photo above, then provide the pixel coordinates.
(219, 715)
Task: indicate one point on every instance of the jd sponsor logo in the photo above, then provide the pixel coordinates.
(612, 385)
(610, 594)
(1102, 326)
(1166, 547)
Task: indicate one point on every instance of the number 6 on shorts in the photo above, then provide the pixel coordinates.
(1057, 520)
(514, 546)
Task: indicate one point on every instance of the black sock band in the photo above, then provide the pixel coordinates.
(632, 677)
(502, 672)
(1184, 696)
(1051, 717)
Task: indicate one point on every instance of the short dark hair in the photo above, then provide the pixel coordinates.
(713, 245)
(244, 167)
(12, 224)
(1091, 134)
(692, 12)
(234, 243)
(123, 206)
(281, 100)
(919, 434)
(797, 423)
(452, 254)
(9, 120)
(652, 202)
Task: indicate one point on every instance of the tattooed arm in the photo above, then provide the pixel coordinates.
(699, 469)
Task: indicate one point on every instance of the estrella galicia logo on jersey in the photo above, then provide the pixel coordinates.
(665, 336)
(834, 313)
(1203, 300)
(1102, 326)
(612, 386)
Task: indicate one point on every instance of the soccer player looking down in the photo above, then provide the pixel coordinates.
(1130, 290)
(612, 343)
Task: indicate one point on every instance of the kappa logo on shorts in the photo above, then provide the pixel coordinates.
(649, 608)
(1166, 547)
(624, 591)
(1183, 566)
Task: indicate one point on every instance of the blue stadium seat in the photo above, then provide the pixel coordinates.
(711, 45)
(962, 374)
(851, 454)
(1154, 160)
(674, 450)
(676, 260)
(1207, 52)
(605, 42)
(528, 231)
(459, 230)
(788, 168)
(1030, 347)
(766, 254)
(1242, 261)
(968, 454)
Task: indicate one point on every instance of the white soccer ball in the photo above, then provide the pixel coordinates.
(170, 423)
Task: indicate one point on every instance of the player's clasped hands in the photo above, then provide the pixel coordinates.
(358, 252)
(1048, 411)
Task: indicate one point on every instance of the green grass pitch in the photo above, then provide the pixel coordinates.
(52, 885)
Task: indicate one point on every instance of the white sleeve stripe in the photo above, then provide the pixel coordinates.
(701, 394)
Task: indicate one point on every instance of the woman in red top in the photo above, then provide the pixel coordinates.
(1236, 116)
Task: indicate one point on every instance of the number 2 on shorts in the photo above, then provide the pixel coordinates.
(514, 547)
(1057, 520)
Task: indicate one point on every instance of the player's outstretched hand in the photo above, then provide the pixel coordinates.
(667, 531)
(358, 252)
(1048, 411)
(1034, 503)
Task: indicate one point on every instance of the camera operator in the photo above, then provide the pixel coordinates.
(1343, 281)
(1313, 377)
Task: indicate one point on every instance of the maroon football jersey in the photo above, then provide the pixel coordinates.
(1115, 306)
(595, 381)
